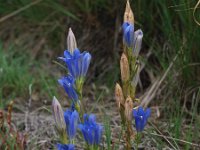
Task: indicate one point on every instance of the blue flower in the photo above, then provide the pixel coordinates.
(65, 146)
(68, 84)
(141, 116)
(71, 120)
(128, 34)
(77, 63)
(91, 131)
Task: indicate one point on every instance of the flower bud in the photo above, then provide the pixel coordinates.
(128, 14)
(128, 108)
(124, 67)
(71, 41)
(138, 35)
(119, 97)
(58, 116)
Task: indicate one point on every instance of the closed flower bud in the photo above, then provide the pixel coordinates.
(71, 41)
(124, 67)
(128, 108)
(119, 97)
(138, 35)
(128, 14)
(58, 116)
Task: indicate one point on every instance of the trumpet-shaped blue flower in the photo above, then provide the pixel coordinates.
(65, 146)
(128, 34)
(91, 131)
(77, 63)
(68, 84)
(71, 120)
(141, 116)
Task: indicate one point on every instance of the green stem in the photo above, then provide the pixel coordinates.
(79, 89)
(128, 135)
(137, 140)
(63, 137)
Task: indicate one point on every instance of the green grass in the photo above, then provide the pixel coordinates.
(17, 73)
(14, 76)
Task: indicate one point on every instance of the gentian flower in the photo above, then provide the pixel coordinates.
(65, 146)
(68, 84)
(91, 131)
(141, 116)
(71, 120)
(128, 34)
(77, 63)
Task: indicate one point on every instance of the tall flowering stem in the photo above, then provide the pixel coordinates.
(130, 69)
(77, 64)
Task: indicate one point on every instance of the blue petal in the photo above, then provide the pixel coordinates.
(71, 120)
(92, 118)
(134, 112)
(139, 124)
(76, 53)
(98, 133)
(86, 63)
(68, 84)
(140, 111)
(124, 26)
(65, 146)
(67, 54)
(70, 66)
(129, 35)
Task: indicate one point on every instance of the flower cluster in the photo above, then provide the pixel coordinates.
(67, 122)
(91, 130)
